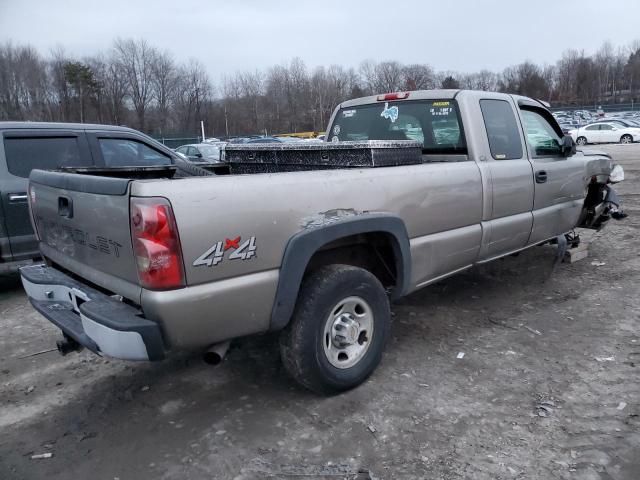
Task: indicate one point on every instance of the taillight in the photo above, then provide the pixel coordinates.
(393, 96)
(32, 208)
(156, 244)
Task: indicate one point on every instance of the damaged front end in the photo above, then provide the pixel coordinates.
(602, 202)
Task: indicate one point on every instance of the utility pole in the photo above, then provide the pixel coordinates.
(226, 121)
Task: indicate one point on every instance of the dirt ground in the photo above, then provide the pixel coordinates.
(547, 387)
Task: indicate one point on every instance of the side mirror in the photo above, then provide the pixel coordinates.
(568, 146)
(198, 155)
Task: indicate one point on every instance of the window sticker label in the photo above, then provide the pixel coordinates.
(336, 130)
(440, 104)
(441, 111)
(335, 139)
(348, 113)
(390, 112)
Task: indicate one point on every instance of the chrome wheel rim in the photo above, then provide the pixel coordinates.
(348, 332)
(581, 141)
(625, 140)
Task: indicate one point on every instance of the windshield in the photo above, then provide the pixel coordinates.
(434, 123)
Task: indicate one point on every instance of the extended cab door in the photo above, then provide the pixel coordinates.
(25, 150)
(558, 180)
(507, 174)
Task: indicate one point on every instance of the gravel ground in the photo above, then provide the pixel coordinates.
(547, 387)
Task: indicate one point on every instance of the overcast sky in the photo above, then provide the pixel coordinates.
(226, 36)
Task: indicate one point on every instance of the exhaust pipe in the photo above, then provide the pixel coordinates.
(215, 354)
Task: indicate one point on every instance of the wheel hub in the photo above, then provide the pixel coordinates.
(348, 331)
(345, 330)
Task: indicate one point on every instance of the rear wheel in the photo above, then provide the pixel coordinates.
(626, 138)
(338, 330)
(581, 141)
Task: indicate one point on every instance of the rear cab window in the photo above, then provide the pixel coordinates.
(502, 129)
(25, 153)
(434, 123)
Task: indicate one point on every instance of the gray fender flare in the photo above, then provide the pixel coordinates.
(304, 244)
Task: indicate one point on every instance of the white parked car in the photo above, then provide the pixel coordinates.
(605, 132)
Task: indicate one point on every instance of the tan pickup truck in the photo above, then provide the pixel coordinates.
(313, 240)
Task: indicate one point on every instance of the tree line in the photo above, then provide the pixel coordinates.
(133, 83)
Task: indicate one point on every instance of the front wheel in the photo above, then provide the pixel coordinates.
(581, 141)
(626, 139)
(338, 330)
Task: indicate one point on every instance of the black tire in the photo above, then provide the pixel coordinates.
(626, 138)
(581, 141)
(301, 342)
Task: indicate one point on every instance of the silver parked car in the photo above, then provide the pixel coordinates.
(201, 152)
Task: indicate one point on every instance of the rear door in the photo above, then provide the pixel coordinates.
(25, 150)
(504, 162)
(608, 133)
(559, 183)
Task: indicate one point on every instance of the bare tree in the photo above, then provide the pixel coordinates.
(418, 77)
(389, 76)
(23, 84)
(110, 75)
(136, 58)
(251, 86)
(133, 81)
(165, 81)
(194, 94)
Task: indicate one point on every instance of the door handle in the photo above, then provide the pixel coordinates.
(18, 197)
(541, 176)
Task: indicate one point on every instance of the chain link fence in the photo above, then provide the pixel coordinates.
(175, 142)
(616, 107)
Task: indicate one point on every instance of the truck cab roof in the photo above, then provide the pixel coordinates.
(63, 126)
(440, 94)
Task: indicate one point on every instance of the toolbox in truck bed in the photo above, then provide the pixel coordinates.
(276, 157)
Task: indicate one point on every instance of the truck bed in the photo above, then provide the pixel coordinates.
(276, 157)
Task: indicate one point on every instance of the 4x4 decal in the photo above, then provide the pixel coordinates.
(241, 251)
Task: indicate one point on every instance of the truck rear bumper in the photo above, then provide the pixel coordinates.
(97, 321)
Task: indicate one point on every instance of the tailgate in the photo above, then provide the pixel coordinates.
(83, 225)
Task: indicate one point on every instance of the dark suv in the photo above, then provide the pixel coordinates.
(48, 146)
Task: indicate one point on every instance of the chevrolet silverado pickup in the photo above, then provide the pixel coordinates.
(311, 240)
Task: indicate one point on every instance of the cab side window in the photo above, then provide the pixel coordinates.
(502, 129)
(46, 153)
(120, 152)
(593, 127)
(541, 136)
